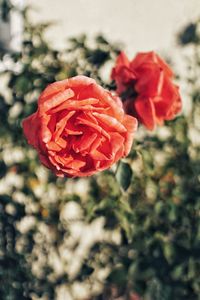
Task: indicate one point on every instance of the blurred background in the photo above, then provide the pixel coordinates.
(131, 235)
(144, 25)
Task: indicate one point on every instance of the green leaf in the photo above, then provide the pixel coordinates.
(124, 175)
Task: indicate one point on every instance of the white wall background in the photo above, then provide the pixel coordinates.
(141, 24)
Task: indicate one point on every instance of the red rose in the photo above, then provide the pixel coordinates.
(79, 128)
(152, 97)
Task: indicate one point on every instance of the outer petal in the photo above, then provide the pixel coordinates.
(131, 125)
(149, 80)
(150, 57)
(121, 62)
(122, 73)
(53, 88)
(55, 100)
(80, 80)
(169, 103)
(146, 112)
(31, 128)
(122, 59)
(44, 159)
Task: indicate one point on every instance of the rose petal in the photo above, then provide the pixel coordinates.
(55, 100)
(131, 125)
(31, 128)
(53, 146)
(110, 122)
(146, 112)
(76, 104)
(81, 120)
(53, 88)
(60, 126)
(84, 142)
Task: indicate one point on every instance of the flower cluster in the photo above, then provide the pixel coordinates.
(81, 128)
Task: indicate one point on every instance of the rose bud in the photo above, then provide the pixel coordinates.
(79, 128)
(146, 87)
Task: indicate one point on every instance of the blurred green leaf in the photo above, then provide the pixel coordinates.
(124, 175)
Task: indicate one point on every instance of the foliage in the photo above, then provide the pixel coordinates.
(5, 8)
(132, 229)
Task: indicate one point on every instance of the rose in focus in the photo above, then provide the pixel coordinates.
(79, 128)
(145, 84)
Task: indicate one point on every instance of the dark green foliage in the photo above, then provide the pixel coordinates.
(14, 274)
(124, 175)
(5, 7)
(189, 35)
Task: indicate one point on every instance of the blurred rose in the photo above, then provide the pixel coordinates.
(145, 83)
(135, 296)
(79, 128)
(123, 75)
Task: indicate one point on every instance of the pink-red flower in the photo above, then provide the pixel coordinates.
(147, 88)
(79, 128)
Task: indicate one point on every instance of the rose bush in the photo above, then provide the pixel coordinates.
(79, 128)
(151, 244)
(146, 85)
